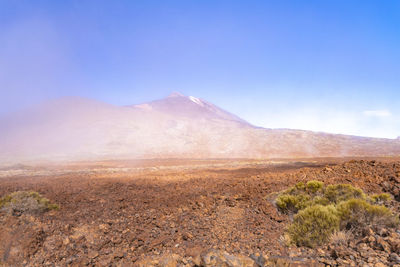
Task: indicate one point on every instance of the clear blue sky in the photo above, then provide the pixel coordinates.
(319, 65)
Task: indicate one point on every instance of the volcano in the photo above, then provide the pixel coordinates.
(178, 126)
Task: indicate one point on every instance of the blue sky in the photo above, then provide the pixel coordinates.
(330, 66)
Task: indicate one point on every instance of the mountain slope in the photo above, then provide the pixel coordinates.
(177, 126)
(191, 107)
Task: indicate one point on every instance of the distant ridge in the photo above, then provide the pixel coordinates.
(177, 126)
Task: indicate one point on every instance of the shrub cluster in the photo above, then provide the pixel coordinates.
(320, 211)
(381, 198)
(26, 202)
(314, 225)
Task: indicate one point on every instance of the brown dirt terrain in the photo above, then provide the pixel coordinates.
(119, 213)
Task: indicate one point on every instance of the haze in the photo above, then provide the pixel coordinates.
(199, 133)
(327, 66)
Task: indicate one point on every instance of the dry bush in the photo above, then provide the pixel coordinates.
(285, 240)
(340, 238)
(21, 202)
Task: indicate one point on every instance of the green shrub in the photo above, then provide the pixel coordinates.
(323, 210)
(314, 186)
(314, 225)
(342, 192)
(320, 200)
(381, 198)
(356, 214)
(5, 200)
(20, 202)
(292, 203)
(298, 188)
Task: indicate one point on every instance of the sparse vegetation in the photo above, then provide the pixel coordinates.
(292, 203)
(314, 225)
(342, 192)
(356, 214)
(381, 198)
(299, 187)
(323, 213)
(21, 202)
(314, 186)
(301, 196)
(340, 238)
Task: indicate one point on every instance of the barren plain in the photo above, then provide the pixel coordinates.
(176, 212)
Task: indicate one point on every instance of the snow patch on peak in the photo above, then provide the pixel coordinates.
(196, 100)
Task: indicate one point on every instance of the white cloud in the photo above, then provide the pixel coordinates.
(377, 113)
(371, 123)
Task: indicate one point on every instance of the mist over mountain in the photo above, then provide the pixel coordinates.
(177, 126)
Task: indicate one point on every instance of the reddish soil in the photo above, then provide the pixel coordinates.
(117, 216)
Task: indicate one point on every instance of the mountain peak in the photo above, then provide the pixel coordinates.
(193, 99)
(176, 94)
(196, 100)
(177, 126)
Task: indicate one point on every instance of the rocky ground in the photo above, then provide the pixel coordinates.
(217, 214)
